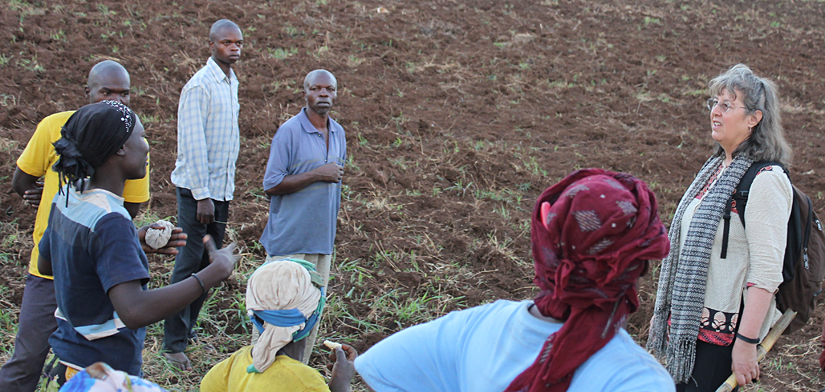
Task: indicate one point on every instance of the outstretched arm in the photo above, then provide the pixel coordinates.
(138, 308)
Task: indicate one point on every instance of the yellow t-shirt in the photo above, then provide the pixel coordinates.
(37, 160)
(285, 375)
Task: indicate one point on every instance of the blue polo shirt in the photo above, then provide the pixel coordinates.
(93, 246)
(304, 221)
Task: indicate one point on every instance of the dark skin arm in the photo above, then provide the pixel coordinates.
(44, 265)
(330, 172)
(343, 368)
(138, 308)
(27, 186)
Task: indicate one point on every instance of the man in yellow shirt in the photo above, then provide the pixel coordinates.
(108, 80)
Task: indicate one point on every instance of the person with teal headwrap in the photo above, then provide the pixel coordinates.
(284, 299)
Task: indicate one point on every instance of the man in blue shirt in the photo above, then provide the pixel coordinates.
(303, 180)
(208, 144)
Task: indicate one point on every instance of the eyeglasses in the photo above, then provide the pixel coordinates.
(723, 106)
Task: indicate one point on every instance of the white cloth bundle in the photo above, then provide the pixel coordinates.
(158, 238)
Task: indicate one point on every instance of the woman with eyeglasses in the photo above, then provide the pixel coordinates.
(715, 303)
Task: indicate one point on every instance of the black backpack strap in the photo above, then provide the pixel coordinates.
(726, 230)
(740, 198)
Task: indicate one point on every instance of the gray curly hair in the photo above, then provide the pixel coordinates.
(767, 139)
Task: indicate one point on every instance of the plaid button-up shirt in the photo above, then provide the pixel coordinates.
(208, 134)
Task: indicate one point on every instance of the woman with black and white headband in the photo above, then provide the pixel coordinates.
(94, 251)
(719, 304)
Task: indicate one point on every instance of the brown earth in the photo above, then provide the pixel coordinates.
(458, 114)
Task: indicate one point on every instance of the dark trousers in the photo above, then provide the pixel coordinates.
(31, 346)
(190, 259)
(711, 369)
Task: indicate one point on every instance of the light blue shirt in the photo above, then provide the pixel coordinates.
(304, 221)
(484, 348)
(208, 134)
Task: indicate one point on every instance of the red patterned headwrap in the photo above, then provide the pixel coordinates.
(592, 236)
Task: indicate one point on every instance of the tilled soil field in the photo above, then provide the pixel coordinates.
(458, 114)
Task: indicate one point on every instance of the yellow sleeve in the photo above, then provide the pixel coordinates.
(37, 160)
(137, 191)
(39, 153)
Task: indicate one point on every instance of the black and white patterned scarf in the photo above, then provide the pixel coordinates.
(683, 275)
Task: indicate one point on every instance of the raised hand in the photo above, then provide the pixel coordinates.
(343, 368)
(222, 260)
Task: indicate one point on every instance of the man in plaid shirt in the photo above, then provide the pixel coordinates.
(208, 143)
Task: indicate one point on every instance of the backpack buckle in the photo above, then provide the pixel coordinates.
(805, 257)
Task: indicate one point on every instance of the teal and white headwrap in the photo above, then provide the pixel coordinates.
(288, 297)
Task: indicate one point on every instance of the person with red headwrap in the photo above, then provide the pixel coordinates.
(593, 234)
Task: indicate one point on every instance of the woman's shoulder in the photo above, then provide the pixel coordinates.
(499, 309)
(770, 193)
(775, 169)
(115, 220)
(772, 177)
(631, 368)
